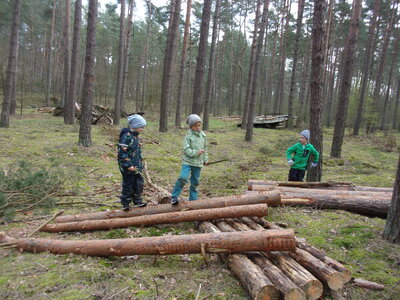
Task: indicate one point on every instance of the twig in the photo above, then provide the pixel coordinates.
(45, 223)
(117, 293)
(155, 283)
(92, 171)
(198, 292)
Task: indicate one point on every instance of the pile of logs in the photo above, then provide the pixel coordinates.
(369, 201)
(269, 261)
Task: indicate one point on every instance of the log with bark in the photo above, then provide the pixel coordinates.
(302, 244)
(250, 275)
(287, 287)
(327, 185)
(362, 202)
(366, 284)
(230, 242)
(270, 198)
(166, 218)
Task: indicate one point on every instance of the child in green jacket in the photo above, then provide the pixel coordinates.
(194, 157)
(298, 155)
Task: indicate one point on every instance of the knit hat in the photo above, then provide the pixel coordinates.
(136, 121)
(192, 119)
(306, 134)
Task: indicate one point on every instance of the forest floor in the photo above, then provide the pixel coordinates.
(94, 180)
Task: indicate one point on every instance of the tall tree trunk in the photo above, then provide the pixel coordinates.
(331, 88)
(49, 55)
(127, 46)
(67, 59)
(201, 56)
(85, 138)
(317, 69)
(395, 122)
(299, 23)
(254, 74)
(345, 84)
(366, 68)
(392, 228)
(11, 67)
(144, 63)
(169, 61)
(120, 70)
(211, 66)
(245, 116)
(182, 65)
(69, 112)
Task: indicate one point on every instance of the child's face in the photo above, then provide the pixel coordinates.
(140, 129)
(302, 140)
(196, 127)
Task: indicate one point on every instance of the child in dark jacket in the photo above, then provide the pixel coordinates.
(130, 162)
(298, 156)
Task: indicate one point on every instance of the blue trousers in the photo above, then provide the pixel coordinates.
(183, 179)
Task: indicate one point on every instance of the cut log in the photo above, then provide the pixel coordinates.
(364, 203)
(302, 244)
(230, 242)
(250, 275)
(272, 198)
(287, 287)
(311, 286)
(328, 185)
(322, 271)
(167, 218)
(366, 284)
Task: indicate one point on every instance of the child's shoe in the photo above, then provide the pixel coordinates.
(174, 200)
(125, 207)
(139, 204)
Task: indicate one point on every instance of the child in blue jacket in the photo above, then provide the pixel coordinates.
(298, 156)
(131, 163)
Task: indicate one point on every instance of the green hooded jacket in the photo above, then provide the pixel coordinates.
(192, 143)
(300, 155)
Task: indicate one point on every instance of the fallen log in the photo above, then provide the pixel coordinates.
(287, 287)
(366, 284)
(327, 185)
(302, 244)
(230, 242)
(311, 286)
(166, 218)
(250, 275)
(322, 271)
(364, 203)
(272, 198)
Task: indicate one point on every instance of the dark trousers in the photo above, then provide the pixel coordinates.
(296, 175)
(132, 188)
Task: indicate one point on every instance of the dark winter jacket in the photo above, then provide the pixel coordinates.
(129, 150)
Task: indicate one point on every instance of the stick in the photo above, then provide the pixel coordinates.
(217, 161)
(45, 223)
(198, 292)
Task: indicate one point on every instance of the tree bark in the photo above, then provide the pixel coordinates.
(364, 203)
(120, 70)
(169, 61)
(70, 106)
(252, 278)
(181, 83)
(85, 138)
(49, 55)
(325, 185)
(366, 284)
(366, 68)
(201, 56)
(229, 242)
(12, 66)
(392, 227)
(67, 59)
(207, 97)
(267, 198)
(165, 218)
(316, 88)
(346, 80)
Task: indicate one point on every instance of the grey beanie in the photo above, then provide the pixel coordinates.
(192, 119)
(306, 134)
(136, 121)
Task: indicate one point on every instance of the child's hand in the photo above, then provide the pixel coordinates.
(132, 169)
(206, 163)
(313, 164)
(201, 151)
(290, 162)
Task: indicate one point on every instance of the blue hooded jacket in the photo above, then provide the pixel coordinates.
(129, 150)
